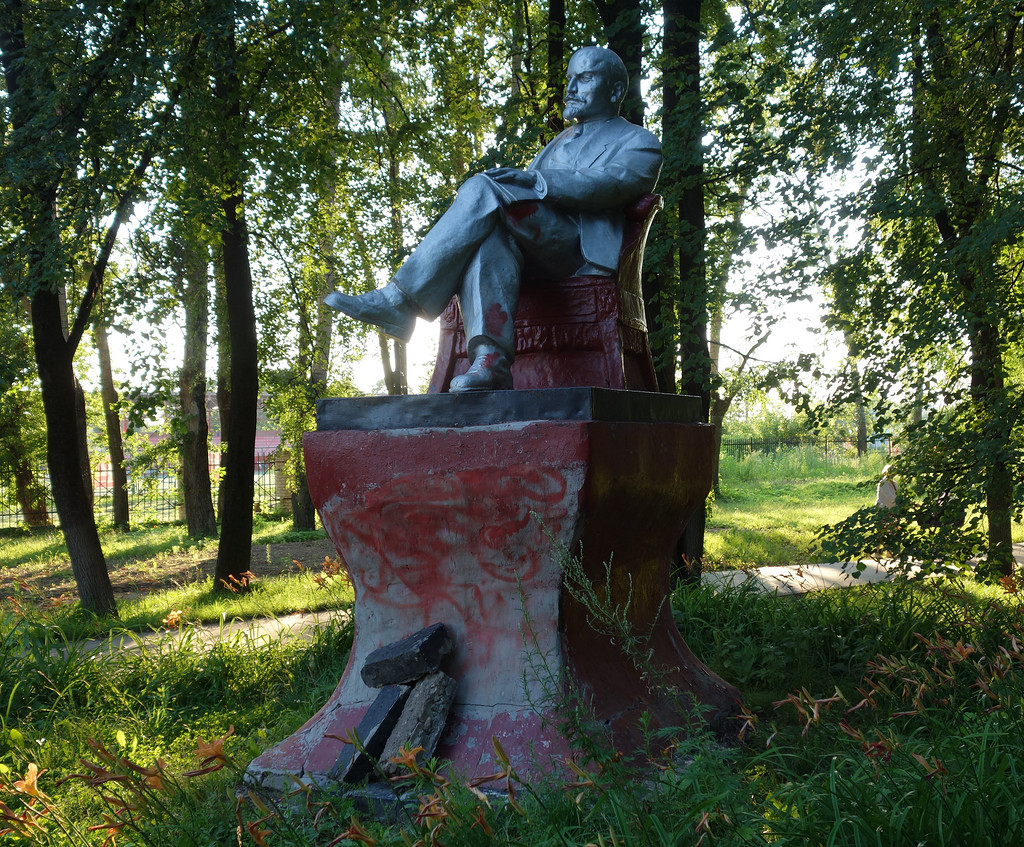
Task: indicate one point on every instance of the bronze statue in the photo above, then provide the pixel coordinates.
(563, 213)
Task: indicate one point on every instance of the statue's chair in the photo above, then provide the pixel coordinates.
(575, 331)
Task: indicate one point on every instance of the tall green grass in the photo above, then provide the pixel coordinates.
(789, 464)
(771, 506)
(878, 715)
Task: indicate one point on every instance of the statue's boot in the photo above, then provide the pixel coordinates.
(490, 371)
(387, 308)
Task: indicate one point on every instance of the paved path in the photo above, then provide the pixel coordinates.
(784, 580)
(804, 578)
(798, 579)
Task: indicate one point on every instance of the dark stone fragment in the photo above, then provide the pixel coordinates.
(380, 802)
(422, 720)
(408, 659)
(354, 766)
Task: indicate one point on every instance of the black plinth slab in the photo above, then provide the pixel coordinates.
(484, 408)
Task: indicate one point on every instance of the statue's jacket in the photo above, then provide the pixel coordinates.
(593, 175)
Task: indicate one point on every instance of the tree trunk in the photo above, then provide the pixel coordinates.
(31, 495)
(396, 380)
(303, 510)
(556, 65)
(681, 137)
(988, 390)
(235, 550)
(862, 420)
(223, 369)
(200, 518)
(719, 409)
(624, 32)
(659, 285)
(82, 443)
(112, 418)
(58, 384)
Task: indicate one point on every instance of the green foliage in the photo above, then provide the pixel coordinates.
(939, 522)
(290, 404)
(758, 416)
(772, 505)
(22, 424)
(930, 293)
(138, 722)
(926, 752)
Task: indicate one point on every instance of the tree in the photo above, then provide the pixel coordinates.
(928, 99)
(192, 266)
(82, 127)
(22, 425)
(684, 228)
(231, 163)
(112, 421)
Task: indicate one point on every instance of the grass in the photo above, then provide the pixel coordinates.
(271, 598)
(771, 506)
(151, 550)
(45, 548)
(876, 715)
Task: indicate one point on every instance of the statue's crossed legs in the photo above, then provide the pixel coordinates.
(476, 250)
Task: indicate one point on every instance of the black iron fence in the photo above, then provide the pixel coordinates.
(833, 449)
(154, 493)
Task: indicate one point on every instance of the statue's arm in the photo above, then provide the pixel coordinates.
(614, 181)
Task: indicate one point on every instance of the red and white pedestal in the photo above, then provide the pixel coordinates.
(459, 509)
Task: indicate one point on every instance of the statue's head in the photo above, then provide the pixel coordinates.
(595, 85)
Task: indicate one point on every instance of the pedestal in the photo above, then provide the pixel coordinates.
(460, 509)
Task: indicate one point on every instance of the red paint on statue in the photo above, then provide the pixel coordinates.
(495, 321)
(519, 216)
(520, 211)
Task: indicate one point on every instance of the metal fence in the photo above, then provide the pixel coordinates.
(830, 449)
(154, 493)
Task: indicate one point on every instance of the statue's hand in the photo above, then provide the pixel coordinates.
(513, 176)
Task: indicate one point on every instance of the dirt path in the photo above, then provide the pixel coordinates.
(135, 578)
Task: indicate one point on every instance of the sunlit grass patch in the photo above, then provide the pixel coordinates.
(197, 602)
(775, 521)
(144, 541)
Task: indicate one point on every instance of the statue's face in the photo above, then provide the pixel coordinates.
(590, 93)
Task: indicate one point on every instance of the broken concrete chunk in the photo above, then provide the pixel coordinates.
(408, 659)
(422, 720)
(382, 803)
(354, 766)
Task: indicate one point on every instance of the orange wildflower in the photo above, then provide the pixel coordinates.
(259, 836)
(213, 750)
(479, 820)
(29, 785)
(407, 758)
(355, 832)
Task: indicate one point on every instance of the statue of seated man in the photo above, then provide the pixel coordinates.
(564, 213)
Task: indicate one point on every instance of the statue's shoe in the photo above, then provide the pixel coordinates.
(386, 308)
(489, 372)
